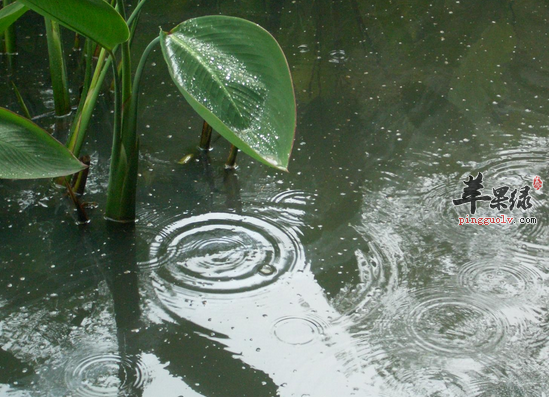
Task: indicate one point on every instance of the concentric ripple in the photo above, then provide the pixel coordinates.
(502, 279)
(150, 222)
(417, 381)
(105, 375)
(517, 161)
(224, 253)
(291, 208)
(298, 330)
(455, 324)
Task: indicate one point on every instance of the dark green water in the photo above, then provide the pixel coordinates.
(349, 276)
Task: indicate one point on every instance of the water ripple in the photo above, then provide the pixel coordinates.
(150, 222)
(291, 208)
(104, 375)
(454, 324)
(504, 279)
(422, 381)
(224, 253)
(442, 320)
(300, 330)
(517, 163)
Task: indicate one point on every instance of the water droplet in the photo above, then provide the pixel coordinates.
(267, 270)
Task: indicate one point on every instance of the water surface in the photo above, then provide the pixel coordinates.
(350, 275)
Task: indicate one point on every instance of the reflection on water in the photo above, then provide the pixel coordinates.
(285, 327)
(349, 276)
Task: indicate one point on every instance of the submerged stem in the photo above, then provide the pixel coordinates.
(82, 216)
(231, 161)
(206, 137)
(79, 180)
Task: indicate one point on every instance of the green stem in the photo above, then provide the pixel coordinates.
(21, 101)
(123, 174)
(138, 73)
(117, 125)
(9, 34)
(133, 28)
(58, 70)
(126, 69)
(89, 96)
(79, 180)
(88, 72)
(136, 12)
(87, 104)
(10, 47)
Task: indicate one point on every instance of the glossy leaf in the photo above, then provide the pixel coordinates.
(11, 13)
(235, 75)
(95, 19)
(29, 152)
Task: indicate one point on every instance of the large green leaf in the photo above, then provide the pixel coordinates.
(235, 75)
(95, 19)
(29, 152)
(11, 13)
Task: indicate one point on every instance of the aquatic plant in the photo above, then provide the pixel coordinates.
(231, 71)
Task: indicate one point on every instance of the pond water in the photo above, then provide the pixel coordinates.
(348, 276)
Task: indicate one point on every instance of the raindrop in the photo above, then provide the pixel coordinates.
(267, 270)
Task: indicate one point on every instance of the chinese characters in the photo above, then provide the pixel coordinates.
(517, 198)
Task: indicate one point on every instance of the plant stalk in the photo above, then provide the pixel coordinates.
(206, 137)
(136, 12)
(90, 92)
(10, 47)
(21, 101)
(80, 211)
(134, 18)
(231, 161)
(9, 34)
(79, 180)
(88, 70)
(123, 174)
(58, 70)
(87, 104)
